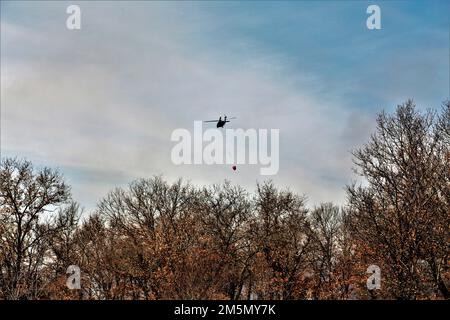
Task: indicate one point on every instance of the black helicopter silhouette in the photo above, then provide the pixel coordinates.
(220, 122)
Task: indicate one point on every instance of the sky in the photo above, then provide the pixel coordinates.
(100, 103)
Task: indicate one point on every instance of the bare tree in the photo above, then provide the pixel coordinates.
(281, 230)
(225, 212)
(325, 222)
(403, 213)
(28, 200)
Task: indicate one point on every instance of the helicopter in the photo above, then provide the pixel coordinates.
(220, 122)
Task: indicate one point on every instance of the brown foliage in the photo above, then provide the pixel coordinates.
(155, 240)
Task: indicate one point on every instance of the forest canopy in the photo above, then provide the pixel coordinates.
(160, 240)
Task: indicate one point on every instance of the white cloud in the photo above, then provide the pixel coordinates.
(107, 98)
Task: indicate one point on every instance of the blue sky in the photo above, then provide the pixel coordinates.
(329, 40)
(100, 103)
